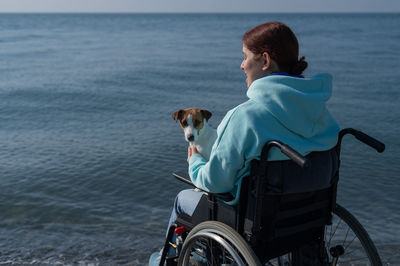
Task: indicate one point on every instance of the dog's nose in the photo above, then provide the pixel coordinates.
(191, 138)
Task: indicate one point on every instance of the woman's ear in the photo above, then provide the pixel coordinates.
(270, 65)
(267, 61)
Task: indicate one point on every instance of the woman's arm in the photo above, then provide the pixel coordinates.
(219, 174)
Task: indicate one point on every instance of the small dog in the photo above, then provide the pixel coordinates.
(197, 131)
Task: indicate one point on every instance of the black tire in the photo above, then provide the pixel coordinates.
(197, 246)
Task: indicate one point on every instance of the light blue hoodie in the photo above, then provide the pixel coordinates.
(280, 107)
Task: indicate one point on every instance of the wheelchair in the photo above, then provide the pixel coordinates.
(275, 224)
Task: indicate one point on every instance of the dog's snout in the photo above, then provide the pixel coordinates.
(191, 138)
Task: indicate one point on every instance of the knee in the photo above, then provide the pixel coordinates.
(182, 196)
(186, 200)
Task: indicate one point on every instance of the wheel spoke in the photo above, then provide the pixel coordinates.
(333, 234)
(345, 238)
(351, 242)
(356, 259)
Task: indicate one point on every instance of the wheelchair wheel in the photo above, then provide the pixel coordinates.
(215, 243)
(346, 243)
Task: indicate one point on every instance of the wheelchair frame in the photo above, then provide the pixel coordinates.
(292, 223)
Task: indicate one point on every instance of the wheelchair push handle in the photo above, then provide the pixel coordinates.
(287, 150)
(370, 141)
(294, 155)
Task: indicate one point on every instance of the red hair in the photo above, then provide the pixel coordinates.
(279, 41)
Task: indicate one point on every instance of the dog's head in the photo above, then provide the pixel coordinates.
(192, 121)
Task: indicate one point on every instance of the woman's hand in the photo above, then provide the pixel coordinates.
(191, 150)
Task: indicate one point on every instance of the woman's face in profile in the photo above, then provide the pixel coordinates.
(252, 65)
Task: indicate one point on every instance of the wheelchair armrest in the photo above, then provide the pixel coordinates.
(185, 179)
(223, 196)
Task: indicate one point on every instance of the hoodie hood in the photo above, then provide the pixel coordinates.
(299, 104)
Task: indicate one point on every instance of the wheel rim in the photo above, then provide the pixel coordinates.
(215, 243)
(209, 246)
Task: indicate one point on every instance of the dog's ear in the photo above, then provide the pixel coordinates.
(206, 114)
(178, 115)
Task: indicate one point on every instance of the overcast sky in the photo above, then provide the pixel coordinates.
(156, 6)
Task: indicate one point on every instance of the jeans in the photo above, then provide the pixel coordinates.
(185, 203)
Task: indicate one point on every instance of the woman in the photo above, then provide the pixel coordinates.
(282, 105)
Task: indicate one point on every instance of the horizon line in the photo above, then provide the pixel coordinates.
(192, 12)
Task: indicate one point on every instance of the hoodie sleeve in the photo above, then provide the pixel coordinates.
(219, 174)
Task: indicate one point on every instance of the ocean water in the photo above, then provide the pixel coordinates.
(88, 145)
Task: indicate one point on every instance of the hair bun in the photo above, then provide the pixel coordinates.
(299, 66)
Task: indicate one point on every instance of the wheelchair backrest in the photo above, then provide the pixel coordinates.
(294, 204)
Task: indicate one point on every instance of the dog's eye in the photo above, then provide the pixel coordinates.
(196, 123)
(184, 123)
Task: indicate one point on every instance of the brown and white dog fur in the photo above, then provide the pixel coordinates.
(197, 131)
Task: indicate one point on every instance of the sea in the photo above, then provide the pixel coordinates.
(88, 144)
